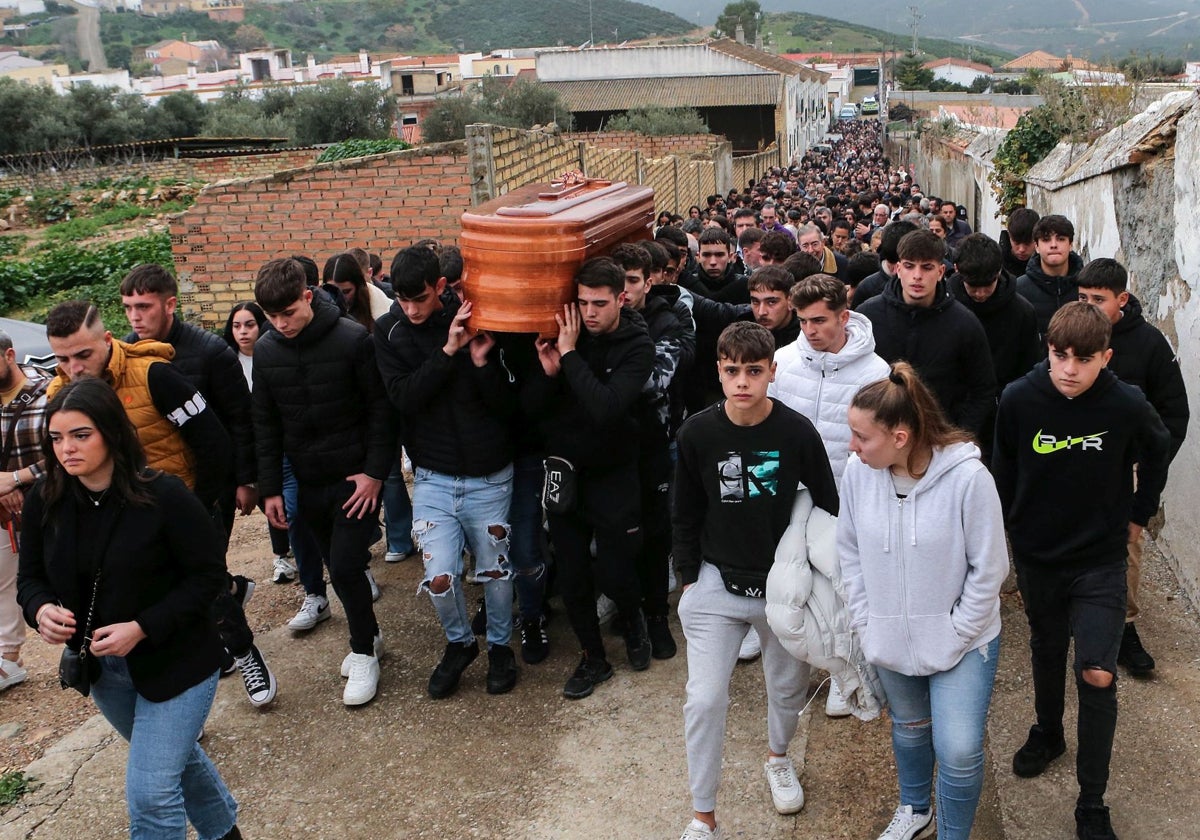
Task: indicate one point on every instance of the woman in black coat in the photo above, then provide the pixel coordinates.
(122, 564)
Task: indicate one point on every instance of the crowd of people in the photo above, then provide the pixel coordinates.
(826, 371)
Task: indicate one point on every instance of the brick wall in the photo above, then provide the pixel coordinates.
(381, 203)
(205, 170)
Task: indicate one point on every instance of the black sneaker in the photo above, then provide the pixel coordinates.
(479, 622)
(1093, 823)
(444, 680)
(662, 643)
(502, 669)
(591, 672)
(257, 677)
(535, 642)
(1039, 749)
(228, 663)
(637, 643)
(1132, 655)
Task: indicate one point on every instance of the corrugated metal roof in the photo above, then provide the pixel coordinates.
(766, 60)
(669, 92)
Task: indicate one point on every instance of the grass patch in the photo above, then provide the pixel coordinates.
(13, 785)
(88, 226)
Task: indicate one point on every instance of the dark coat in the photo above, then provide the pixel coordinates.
(946, 345)
(731, 288)
(588, 411)
(213, 368)
(456, 417)
(319, 400)
(163, 567)
(1143, 357)
(1047, 293)
(1010, 324)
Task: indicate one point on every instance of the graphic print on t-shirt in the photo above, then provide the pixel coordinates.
(747, 475)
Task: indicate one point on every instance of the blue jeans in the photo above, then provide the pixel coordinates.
(525, 517)
(943, 717)
(310, 565)
(452, 512)
(397, 513)
(169, 781)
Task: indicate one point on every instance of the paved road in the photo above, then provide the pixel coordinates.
(87, 35)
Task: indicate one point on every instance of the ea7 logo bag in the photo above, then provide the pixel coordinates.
(559, 487)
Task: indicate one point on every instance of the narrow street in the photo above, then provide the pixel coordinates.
(87, 35)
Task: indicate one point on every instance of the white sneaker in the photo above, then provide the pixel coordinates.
(786, 792)
(378, 655)
(363, 679)
(906, 825)
(836, 705)
(397, 556)
(313, 611)
(697, 830)
(376, 592)
(751, 647)
(284, 570)
(11, 674)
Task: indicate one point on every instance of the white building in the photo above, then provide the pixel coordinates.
(957, 71)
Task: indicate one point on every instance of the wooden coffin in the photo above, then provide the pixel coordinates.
(521, 251)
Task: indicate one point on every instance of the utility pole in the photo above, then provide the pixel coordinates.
(591, 29)
(915, 11)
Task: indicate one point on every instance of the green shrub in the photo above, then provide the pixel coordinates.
(362, 148)
(12, 245)
(13, 785)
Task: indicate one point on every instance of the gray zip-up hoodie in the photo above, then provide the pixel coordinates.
(923, 573)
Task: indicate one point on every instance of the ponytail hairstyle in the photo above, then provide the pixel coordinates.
(904, 400)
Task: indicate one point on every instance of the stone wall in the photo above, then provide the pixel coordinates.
(654, 147)
(381, 203)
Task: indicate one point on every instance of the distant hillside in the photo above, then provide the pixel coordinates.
(1088, 28)
(799, 32)
(329, 27)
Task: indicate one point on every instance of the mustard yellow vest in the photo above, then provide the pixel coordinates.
(128, 373)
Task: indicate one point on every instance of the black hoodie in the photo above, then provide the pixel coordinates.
(588, 410)
(731, 288)
(947, 346)
(456, 416)
(1064, 468)
(1047, 293)
(1143, 357)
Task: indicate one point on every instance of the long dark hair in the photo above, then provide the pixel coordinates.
(343, 268)
(903, 399)
(245, 306)
(99, 402)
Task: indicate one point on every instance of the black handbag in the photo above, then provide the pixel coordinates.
(560, 485)
(744, 582)
(76, 668)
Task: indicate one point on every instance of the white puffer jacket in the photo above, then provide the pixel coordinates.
(821, 385)
(806, 606)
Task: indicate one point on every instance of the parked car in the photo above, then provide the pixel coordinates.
(29, 340)
(848, 112)
(870, 105)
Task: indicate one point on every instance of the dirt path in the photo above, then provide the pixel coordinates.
(87, 34)
(532, 765)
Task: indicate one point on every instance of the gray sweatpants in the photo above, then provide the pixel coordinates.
(714, 623)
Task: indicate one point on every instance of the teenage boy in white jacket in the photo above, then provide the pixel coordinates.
(819, 374)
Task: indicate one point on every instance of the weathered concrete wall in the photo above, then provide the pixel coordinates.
(1146, 216)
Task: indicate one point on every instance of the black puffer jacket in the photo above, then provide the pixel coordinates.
(318, 399)
(1047, 293)
(946, 345)
(213, 368)
(1010, 324)
(731, 288)
(1143, 357)
(588, 412)
(456, 417)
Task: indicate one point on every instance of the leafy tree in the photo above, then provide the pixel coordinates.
(658, 122)
(249, 37)
(449, 118)
(911, 75)
(746, 13)
(981, 84)
(339, 110)
(176, 115)
(525, 104)
(118, 55)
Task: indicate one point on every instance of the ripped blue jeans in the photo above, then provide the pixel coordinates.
(450, 513)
